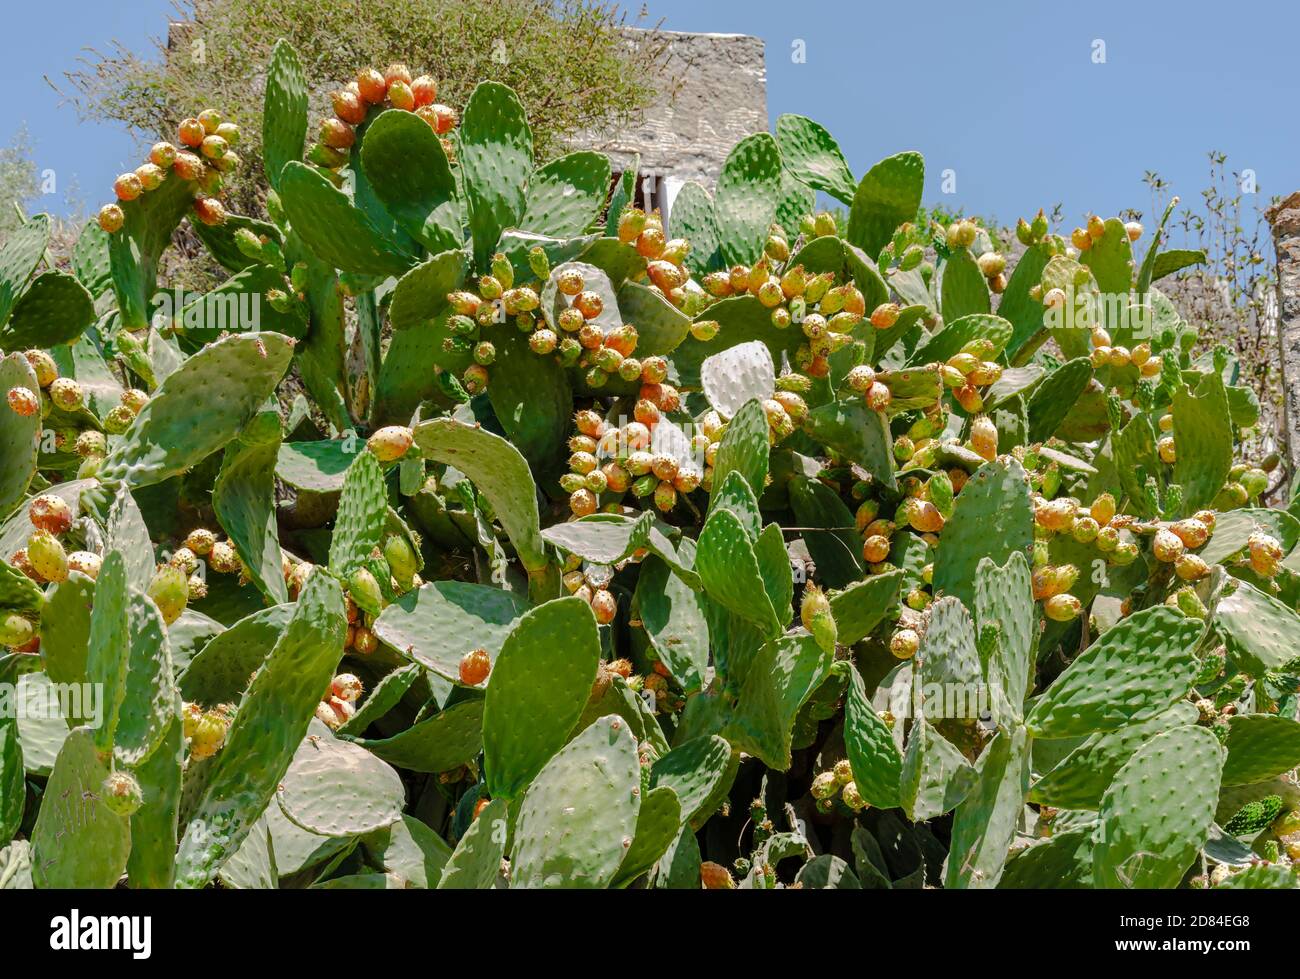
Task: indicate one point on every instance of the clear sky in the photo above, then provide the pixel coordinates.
(1008, 94)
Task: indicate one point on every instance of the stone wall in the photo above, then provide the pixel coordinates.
(1284, 218)
(720, 98)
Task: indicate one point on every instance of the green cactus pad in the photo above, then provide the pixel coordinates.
(1111, 260)
(1136, 669)
(578, 818)
(858, 433)
(961, 331)
(811, 154)
(476, 861)
(608, 538)
(437, 624)
(730, 572)
(1260, 747)
(1080, 779)
(985, 823)
(54, 309)
(873, 755)
(421, 294)
(499, 471)
(1258, 630)
(1232, 530)
(220, 241)
(736, 375)
(336, 230)
(333, 788)
(20, 437)
(657, 824)
(963, 289)
(135, 250)
(948, 653)
(660, 326)
(149, 696)
(284, 111)
(566, 195)
(1156, 813)
(536, 692)
(862, 606)
(748, 191)
(221, 671)
(1063, 861)
(411, 850)
(154, 826)
(109, 649)
(672, 614)
(694, 770)
(1004, 603)
(363, 511)
(888, 194)
(13, 783)
(744, 448)
(1203, 434)
(199, 408)
(78, 842)
(41, 734)
(835, 551)
(266, 732)
(441, 743)
(734, 494)
(694, 218)
(407, 167)
(496, 157)
(935, 778)
(1053, 399)
(992, 519)
(19, 258)
(784, 675)
(739, 318)
(244, 499)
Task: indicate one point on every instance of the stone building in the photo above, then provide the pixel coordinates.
(720, 98)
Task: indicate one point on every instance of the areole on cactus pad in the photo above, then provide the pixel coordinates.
(457, 539)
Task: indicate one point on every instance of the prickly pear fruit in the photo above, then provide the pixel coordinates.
(170, 591)
(475, 667)
(122, 793)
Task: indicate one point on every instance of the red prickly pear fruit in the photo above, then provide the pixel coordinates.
(391, 443)
(209, 210)
(425, 90)
(50, 513)
(188, 166)
(444, 119)
(170, 591)
(365, 642)
(604, 605)
(349, 107)
(475, 667)
(334, 713)
(401, 97)
(397, 72)
(475, 379)
(151, 175)
(47, 556)
(337, 134)
(371, 86)
(716, 877)
(111, 218)
(214, 147)
(127, 187)
(121, 793)
(162, 155)
(191, 132)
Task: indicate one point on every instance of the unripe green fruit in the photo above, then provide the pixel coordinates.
(15, 630)
(170, 591)
(121, 793)
(401, 560)
(47, 556)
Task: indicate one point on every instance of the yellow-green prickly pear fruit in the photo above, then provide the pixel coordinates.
(815, 614)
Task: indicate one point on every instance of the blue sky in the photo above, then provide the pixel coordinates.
(1005, 93)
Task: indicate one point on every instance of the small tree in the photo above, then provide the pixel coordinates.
(18, 182)
(569, 61)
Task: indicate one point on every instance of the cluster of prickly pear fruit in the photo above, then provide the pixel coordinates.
(206, 152)
(729, 546)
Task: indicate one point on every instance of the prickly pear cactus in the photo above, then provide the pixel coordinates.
(597, 548)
